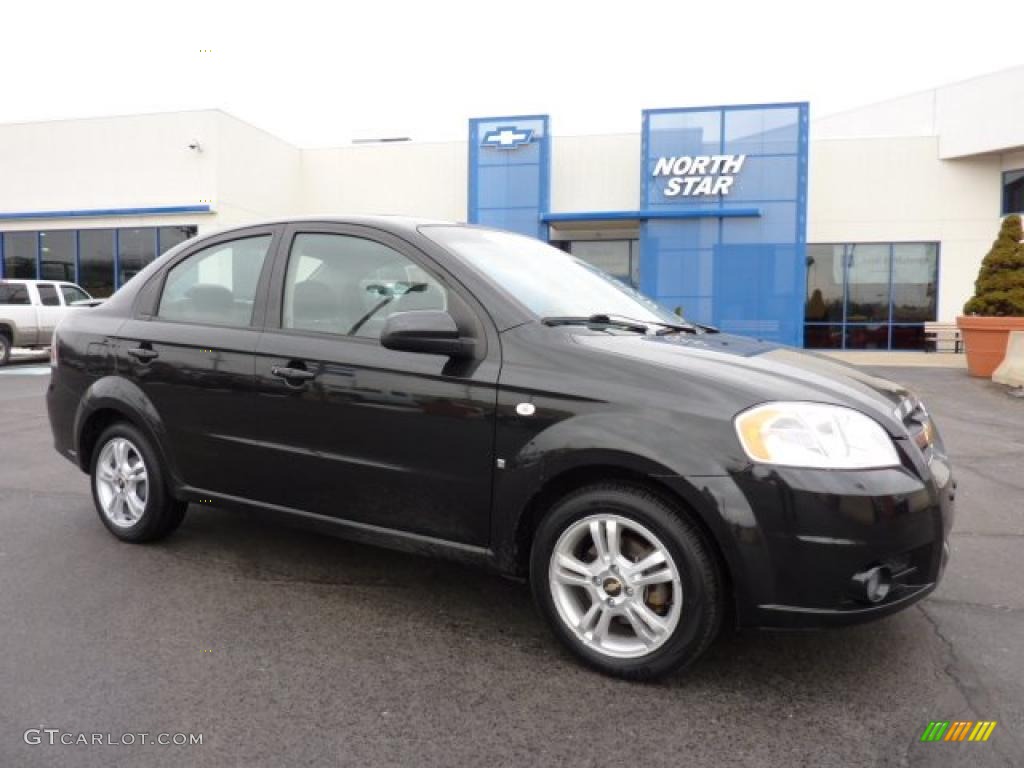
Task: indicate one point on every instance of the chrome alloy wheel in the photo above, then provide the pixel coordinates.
(615, 586)
(122, 482)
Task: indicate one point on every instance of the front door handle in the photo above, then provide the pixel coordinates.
(142, 353)
(292, 374)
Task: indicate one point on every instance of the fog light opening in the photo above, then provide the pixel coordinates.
(873, 585)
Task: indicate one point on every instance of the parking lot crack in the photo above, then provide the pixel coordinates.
(974, 692)
(999, 607)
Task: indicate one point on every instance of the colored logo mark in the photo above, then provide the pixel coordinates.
(507, 137)
(958, 730)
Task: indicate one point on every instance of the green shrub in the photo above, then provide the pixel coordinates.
(999, 289)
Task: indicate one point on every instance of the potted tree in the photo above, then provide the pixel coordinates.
(997, 306)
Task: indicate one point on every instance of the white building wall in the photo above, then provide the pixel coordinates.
(973, 117)
(144, 161)
(897, 189)
(984, 114)
(595, 173)
(258, 175)
(414, 179)
(118, 162)
(912, 115)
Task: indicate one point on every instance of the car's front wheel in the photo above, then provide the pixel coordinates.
(128, 487)
(626, 581)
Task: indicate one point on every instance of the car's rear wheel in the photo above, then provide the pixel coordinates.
(128, 487)
(628, 583)
(5, 348)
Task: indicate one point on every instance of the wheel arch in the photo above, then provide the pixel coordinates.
(112, 399)
(675, 491)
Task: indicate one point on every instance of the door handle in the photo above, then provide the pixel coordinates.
(292, 374)
(142, 354)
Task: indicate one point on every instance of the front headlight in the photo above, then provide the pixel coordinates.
(814, 435)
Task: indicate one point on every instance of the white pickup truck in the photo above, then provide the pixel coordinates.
(31, 309)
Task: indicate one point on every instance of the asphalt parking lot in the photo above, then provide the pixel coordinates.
(284, 648)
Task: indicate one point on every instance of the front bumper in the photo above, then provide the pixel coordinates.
(795, 539)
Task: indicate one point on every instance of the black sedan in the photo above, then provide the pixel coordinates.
(471, 393)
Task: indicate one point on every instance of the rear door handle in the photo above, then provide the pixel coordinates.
(292, 374)
(143, 354)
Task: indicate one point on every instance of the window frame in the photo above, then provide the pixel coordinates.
(24, 285)
(56, 294)
(1002, 191)
(632, 256)
(461, 304)
(62, 287)
(147, 300)
(843, 324)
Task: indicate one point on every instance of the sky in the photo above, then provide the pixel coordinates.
(324, 73)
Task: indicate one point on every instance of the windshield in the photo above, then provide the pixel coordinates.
(547, 281)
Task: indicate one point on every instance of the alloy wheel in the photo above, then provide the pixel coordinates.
(615, 586)
(122, 482)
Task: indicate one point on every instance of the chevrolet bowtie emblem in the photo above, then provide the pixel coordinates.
(507, 137)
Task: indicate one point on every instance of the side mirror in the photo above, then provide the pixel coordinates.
(430, 331)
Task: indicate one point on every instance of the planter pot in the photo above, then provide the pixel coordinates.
(985, 341)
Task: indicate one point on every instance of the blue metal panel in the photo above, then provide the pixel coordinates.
(91, 212)
(692, 213)
(724, 265)
(509, 173)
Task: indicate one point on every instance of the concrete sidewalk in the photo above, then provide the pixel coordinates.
(898, 359)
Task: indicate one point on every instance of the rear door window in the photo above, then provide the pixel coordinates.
(48, 295)
(217, 285)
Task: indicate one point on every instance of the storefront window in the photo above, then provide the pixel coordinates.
(96, 262)
(20, 255)
(824, 283)
(1013, 192)
(619, 258)
(57, 255)
(870, 295)
(136, 248)
(914, 278)
(86, 256)
(867, 283)
(172, 236)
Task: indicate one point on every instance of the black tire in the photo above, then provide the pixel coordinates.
(703, 603)
(5, 348)
(162, 513)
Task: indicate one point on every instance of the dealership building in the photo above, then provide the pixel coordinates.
(845, 231)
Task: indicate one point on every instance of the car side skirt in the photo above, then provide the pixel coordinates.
(365, 533)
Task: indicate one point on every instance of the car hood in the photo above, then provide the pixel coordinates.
(757, 371)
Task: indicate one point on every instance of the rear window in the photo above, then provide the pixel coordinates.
(14, 293)
(48, 295)
(217, 285)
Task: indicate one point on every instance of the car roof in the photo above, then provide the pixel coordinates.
(36, 282)
(393, 223)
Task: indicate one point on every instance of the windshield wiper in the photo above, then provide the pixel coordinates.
(610, 321)
(663, 327)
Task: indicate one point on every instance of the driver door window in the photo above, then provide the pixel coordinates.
(349, 286)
